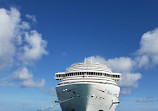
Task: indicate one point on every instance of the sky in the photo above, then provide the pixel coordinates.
(41, 37)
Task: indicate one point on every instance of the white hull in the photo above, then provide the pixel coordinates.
(88, 96)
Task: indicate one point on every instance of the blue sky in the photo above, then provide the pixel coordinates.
(45, 37)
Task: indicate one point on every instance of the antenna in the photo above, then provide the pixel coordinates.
(91, 60)
(85, 60)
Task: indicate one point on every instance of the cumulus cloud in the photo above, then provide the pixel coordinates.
(22, 74)
(19, 45)
(35, 47)
(8, 23)
(25, 77)
(32, 83)
(130, 80)
(145, 57)
(23, 44)
(98, 59)
(148, 51)
(122, 64)
(125, 91)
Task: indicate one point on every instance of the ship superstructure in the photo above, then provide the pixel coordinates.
(88, 86)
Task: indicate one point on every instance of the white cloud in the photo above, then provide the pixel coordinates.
(32, 17)
(122, 64)
(97, 59)
(25, 77)
(19, 46)
(130, 80)
(125, 91)
(142, 61)
(24, 25)
(8, 23)
(148, 52)
(22, 74)
(149, 43)
(32, 83)
(35, 47)
(22, 43)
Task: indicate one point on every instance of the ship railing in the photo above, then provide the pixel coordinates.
(87, 81)
(88, 78)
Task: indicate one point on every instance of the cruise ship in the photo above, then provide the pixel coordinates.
(88, 86)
